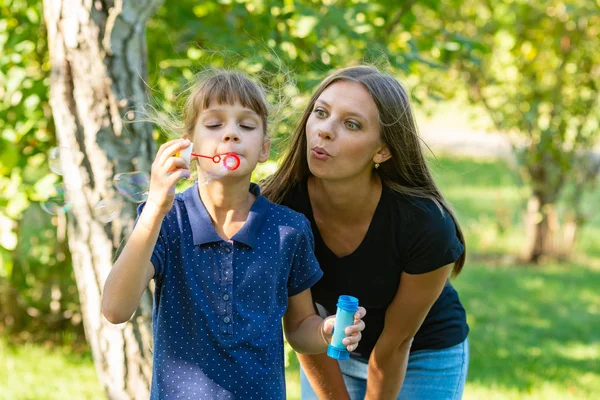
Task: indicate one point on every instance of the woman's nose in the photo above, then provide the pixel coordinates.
(325, 130)
(325, 134)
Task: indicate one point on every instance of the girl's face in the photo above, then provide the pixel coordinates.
(231, 128)
(343, 133)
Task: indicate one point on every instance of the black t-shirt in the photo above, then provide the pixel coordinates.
(407, 234)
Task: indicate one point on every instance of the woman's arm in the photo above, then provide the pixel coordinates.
(403, 318)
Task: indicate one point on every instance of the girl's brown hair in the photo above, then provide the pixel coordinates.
(224, 87)
(211, 86)
(406, 172)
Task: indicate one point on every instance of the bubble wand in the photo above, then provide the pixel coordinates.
(231, 161)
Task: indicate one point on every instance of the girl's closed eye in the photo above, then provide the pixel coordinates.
(212, 124)
(248, 125)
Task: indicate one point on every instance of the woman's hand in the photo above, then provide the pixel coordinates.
(167, 170)
(353, 332)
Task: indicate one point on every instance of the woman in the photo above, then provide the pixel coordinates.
(383, 233)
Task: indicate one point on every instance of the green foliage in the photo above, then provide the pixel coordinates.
(23, 113)
(36, 281)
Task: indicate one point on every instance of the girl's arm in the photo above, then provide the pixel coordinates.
(308, 333)
(133, 270)
(403, 318)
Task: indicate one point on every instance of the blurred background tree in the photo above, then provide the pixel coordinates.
(537, 73)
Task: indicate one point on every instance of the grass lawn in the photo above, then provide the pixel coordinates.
(534, 330)
(35, 372)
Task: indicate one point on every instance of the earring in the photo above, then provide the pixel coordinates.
(376, 165)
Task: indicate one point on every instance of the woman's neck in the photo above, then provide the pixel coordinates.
(345, 199)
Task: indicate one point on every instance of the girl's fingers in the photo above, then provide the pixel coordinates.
(328, 325)
(168, 149)
(173, 164)
(176, 176)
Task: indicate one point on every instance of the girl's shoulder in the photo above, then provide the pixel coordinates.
(283, 214)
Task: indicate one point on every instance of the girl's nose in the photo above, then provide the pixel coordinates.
(231, 135)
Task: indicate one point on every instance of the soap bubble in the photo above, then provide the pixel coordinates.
(57, 202)
(108, 209)
(54, 159)
(184, 184)
(133, 186)
(211, 172)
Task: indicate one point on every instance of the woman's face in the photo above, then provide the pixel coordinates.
(343, 132)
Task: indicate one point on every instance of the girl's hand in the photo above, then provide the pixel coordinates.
(167, 170)
(353, 332)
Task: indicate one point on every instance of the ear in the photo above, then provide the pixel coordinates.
(265, 150)
(382, 155)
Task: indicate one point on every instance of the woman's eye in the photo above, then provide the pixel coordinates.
(320, 112)
(352, 125)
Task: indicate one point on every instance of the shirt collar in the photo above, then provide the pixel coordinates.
(203, 231)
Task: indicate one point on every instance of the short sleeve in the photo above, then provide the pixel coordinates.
(435, 242)
(305, 270)
(159, 253)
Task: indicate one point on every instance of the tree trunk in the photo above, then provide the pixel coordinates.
(98, 58)
(542, 229)
(571, 228)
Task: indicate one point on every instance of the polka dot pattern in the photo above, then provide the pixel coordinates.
(218, 304)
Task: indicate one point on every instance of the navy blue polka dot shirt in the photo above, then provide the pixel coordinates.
(218, 304)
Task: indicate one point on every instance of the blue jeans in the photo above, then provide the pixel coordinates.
(431, 374)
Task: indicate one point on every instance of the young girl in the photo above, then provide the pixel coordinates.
(227, 263)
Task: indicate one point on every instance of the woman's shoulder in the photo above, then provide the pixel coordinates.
(420, 213)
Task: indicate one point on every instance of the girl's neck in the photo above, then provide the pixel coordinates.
(228, 204)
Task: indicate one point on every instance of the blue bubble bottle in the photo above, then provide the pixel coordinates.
(344, 317)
